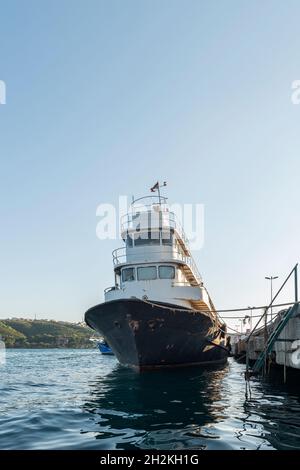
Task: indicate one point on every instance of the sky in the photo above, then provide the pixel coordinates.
(103, 98)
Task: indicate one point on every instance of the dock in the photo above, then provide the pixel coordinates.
(272, 342)
(285, 346)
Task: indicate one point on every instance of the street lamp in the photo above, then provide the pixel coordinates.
(271, 278)
(251, 312)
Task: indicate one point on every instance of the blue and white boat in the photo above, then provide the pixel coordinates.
(104, 348)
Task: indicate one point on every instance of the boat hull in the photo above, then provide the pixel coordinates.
(105, 349)
(145, 335)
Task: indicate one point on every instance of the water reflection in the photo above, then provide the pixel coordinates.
(66, 399)
(278, 406)
(192, 409)
(168, 408)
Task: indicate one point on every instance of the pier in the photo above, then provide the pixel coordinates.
(274, 341)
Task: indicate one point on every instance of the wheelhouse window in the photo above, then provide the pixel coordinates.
(167, 237)
(147, 274)
(166, 272)
(128, 274)
(129, 241)
(146, 238)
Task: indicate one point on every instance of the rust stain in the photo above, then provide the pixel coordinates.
(152, 324)
(155, 322)
(134, 325)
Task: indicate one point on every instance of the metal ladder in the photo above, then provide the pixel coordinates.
(273, 337)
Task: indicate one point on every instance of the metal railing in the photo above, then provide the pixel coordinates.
(185, 284)
(121, 256)
(109, 289)
(264, 316)
(147, 218)
(278, 328)
(154, 198)
(156, 215)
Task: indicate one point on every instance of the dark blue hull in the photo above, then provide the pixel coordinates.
(146, 336)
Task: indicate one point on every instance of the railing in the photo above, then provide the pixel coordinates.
(154, 198)
(184, 284)
(274, 335)
(147, 218)
(109, 289)
(156, 215)
(121, 256)
(265, 314)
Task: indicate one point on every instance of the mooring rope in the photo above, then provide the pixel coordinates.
(245, 309)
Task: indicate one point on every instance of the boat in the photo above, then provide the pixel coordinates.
(158, 313)
(104, 348)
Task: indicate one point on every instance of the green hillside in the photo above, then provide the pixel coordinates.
(21, 333)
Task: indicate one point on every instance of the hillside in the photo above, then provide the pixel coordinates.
(21, 333)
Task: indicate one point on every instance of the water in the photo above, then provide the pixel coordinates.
(78, 399)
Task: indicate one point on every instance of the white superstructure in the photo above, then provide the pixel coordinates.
(156, 263)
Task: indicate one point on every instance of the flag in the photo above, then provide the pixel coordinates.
(155, 187)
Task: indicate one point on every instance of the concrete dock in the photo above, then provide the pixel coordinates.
(286, 348)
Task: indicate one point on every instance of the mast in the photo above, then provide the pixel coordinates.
(157, 187)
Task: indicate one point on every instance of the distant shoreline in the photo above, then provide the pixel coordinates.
(20, 333)
(50, 347)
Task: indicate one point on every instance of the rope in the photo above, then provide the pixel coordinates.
(217, 311)
(229, 328)
(249, 309)
(236, 318)
(245, 309)
(217, 345)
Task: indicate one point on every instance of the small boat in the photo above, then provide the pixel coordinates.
(104, 348)
(158, 313)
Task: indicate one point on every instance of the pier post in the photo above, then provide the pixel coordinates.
(296, 283)
(284, 366)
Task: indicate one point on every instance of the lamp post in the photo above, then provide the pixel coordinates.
(250, 308)
(271, 278)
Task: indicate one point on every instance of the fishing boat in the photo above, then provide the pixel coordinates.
(158, 313)
(104, 348)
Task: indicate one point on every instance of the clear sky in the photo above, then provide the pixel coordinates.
(105, 97)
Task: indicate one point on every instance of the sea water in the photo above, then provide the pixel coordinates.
(79, 399)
